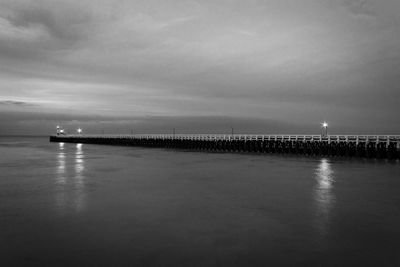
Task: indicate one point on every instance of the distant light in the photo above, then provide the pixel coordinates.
(79, 130)
(324, 124)
(58, 127)
(62, 131)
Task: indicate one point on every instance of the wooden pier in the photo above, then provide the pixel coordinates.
(365, 146)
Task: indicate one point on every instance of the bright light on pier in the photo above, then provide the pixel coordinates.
(324, 129)
(79, 130)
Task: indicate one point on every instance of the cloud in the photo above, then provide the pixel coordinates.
(286, 61)
(33, 29)
(16, 103)
(360, 7)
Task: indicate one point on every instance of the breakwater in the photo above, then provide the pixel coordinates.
(366, 146)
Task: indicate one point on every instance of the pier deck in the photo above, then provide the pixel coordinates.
(367, 146)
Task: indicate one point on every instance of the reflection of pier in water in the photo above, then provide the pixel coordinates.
(323, 196)
(70, 184)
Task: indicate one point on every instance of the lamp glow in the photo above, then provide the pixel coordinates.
(79, 130)
(325, 129)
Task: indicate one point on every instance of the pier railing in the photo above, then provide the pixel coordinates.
(370, 146)
(275, 137)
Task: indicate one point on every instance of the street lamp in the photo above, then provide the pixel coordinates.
(79, 130)
(325, 127)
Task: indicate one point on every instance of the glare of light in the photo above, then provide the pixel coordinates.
(58, 127)
(324, 196)
(62, 131)
(79, 130)
(324, 174)
(324, 124)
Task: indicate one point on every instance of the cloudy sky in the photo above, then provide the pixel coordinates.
(272, 66)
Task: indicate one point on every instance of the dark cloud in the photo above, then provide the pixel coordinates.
(360, 7)
(15, 103)
(32, 30)
(70, 26)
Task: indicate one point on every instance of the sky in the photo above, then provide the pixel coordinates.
(271, 66)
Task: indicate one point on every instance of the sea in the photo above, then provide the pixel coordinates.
(64, 204)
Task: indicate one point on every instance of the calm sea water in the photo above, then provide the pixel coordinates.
(91, 205)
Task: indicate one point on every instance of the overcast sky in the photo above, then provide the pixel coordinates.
(272, 66)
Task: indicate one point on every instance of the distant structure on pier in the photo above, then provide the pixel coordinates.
(60, 131)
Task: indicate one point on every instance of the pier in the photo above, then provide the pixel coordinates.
(364, 146)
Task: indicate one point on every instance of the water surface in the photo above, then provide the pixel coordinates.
(78, 204)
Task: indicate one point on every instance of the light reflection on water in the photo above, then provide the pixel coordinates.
(61, 177)
(79, 184)
(60, 164)
(70, 179)
(79, 165)
(324, 196)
